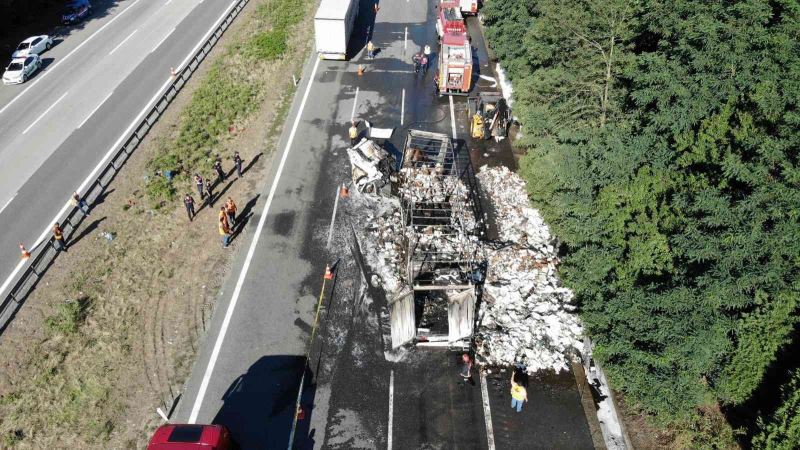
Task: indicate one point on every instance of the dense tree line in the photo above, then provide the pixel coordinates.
(14, 13)
(663, 143)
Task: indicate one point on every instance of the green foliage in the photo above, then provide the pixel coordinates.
(69, 316)
(781, 431)
(268, 45)
(662, 143)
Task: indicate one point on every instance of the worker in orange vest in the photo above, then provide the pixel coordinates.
(225, 232)
(230, 209)
(58, 237)
(223, 216)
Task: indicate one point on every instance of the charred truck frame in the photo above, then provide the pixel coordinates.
(442, 228)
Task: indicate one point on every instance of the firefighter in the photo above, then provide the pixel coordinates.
(353, 133)
(223, 216)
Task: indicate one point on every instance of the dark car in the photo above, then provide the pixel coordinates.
(75, 11)
(191, 437)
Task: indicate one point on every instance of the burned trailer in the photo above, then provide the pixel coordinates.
(441, 236)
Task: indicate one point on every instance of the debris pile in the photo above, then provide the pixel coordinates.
(528, 315)
(383, 244)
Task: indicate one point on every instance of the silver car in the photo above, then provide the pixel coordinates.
(21, 69)
(34, 45)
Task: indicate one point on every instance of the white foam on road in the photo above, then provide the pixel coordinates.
(250, 252)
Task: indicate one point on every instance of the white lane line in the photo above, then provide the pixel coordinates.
(162, 40)
(391, 411)
(355, 103)
(452, 116)
(250, 252)
(47, 72)
(123, 41)
(8, 202)
(111, 151)
(402, 107)
(333, 219)
(95, 109)
(45, 113)
(487, 413)
(405, 39)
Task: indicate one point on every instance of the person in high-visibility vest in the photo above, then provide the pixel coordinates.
(230, 210)
(353, 134)
(223, 216)
(370, 50)
(225, 232)
(58, 237)
(519, 394)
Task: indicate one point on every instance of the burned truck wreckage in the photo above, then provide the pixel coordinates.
(427, 244)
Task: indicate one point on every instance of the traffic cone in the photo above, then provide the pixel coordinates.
(360, 70)
(25, 253)
(328, 273)
(301, 413)
(343, 191)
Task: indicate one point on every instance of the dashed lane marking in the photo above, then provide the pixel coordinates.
(402, 107)
(95, 109)
(45, 113)
(8, 202)
(123, 42)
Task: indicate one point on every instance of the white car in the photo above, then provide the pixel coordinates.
(34, 45)
(21, 69)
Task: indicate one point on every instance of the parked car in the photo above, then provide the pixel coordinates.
(20, 69)
(34, 45)
(191, 437)
(76, 11)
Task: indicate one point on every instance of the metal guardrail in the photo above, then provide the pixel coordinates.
(44, 254)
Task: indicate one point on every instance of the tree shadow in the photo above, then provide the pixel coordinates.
(259, 406)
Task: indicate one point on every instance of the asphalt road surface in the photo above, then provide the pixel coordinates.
(249, 369)
(58, 126)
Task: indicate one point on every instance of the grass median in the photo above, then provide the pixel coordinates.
(111, 332)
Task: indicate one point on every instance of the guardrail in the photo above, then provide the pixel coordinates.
(45, 253)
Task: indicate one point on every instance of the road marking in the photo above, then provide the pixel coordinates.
(250, 252)
(402, 107)
(8, 202)
(111, 151)
(162, 40)
(45, 73)
(333, 218)
(123, 41)
(487, 413)
(355, 103)
(95, 109)
(45, 113)
(452, 116)
(405, 39)
(391, 410)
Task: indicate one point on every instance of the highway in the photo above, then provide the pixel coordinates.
(57, 127)
(248, 371)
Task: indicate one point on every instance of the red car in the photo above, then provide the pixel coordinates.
(191, 437)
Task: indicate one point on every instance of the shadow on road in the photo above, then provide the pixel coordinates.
(259, 405)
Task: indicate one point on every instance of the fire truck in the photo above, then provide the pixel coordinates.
(450, 19)
(454, 76)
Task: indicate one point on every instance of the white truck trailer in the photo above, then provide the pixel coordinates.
(333, 24)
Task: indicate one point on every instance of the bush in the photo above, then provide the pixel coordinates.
(267, 46)
(781, 431)
(69, 316)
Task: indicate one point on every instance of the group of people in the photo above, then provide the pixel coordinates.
(519, 394)
(421, 60)
(58, 233)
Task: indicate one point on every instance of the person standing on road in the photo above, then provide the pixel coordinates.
(198, 181)
(519, 394)
(230, 210)
(237, 161)
(424, 63)
(353, 133)
(417, 59)
(79, 202)
(370, 50)
(466, 368)
(58, 237)
(210, 192)
(218, 169)
(225, 232)
(188, 202)
(223, 216)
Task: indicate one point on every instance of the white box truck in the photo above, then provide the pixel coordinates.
(332, 27)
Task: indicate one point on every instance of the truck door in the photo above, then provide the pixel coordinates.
(401, 319)
(460, 314)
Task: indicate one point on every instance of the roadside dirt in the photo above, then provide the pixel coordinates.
(144, 297)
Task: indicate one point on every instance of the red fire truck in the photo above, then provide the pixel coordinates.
(454, 76)
(450, 19)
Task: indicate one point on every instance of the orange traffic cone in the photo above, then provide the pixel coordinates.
(25, 253)
(343, 191)
(328, 273)
(360, 70)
